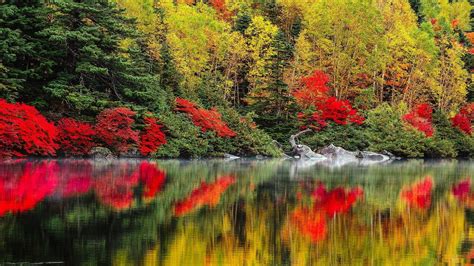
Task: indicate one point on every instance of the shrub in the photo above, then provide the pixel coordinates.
(24, 131)
(205, 119)
(75, 137)
(463, 144)
(183, 140)
(249, 140)
(151, 137)
(385, 131)
(350, 137)
(114, 128)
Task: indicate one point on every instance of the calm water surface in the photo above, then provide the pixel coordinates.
(241, 212)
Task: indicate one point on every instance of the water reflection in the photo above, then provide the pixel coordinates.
(240, 212)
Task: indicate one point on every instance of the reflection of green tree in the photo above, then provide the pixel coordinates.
(250, 224)
(382, 183)
(94, 232)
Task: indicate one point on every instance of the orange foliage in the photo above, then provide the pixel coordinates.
(206, 194)
(221, 9)
(470, 36)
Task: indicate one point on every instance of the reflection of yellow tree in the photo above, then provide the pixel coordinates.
(194, 246)
(408, 238)
(215, 243)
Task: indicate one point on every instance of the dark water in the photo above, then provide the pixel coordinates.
(242, 212)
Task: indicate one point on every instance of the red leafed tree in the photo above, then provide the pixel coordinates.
(463, 120)
(421, 119)
(75, 137)
(22, 192)
(314, 94)
(205, 119)
(314, 89)
(418, 195)
(114, 128)
(24, 131)
(463, 123)
(206, 194)
(151, 137)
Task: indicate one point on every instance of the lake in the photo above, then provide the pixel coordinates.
(240, 212)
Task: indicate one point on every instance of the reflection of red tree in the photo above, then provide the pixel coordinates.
(312, 221)
(206, 194)
(461, 190)
(338, 200)
(22, 186)
(77, 176)
(152, 178)
(22, 193)
(418, 195)
(115, 188)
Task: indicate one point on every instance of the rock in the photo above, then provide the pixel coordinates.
(339, 156)
(333, 152)
(305, 152)
(391, 155)
(230, 157)
(101, 153)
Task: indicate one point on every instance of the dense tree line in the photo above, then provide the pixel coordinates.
(255, 62)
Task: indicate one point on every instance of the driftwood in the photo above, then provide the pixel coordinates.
(303, 151)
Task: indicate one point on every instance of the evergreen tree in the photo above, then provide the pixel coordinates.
(97, 60)
(25, 57)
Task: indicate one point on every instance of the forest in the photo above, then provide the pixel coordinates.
(191, 78)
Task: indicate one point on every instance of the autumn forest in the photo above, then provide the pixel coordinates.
(186, 78)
